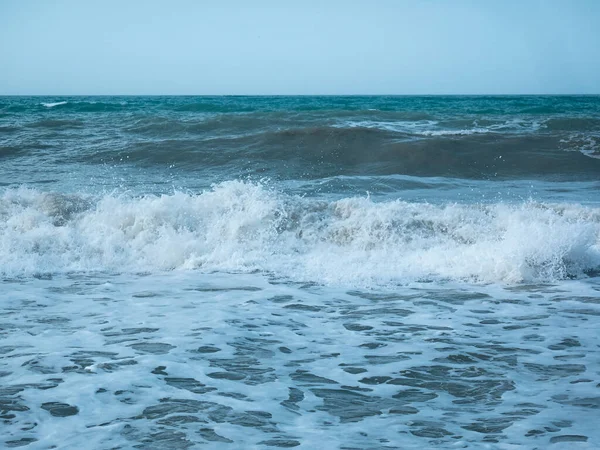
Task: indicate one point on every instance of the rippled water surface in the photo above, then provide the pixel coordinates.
(181, 360)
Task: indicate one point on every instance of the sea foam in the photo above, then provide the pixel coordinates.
(243, 227)
(53, 104)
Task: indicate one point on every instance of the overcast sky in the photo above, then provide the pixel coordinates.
(299, 47)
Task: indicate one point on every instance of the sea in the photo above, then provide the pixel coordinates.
(310, 272)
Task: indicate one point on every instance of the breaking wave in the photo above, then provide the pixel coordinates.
(241, 226)
(53, 104)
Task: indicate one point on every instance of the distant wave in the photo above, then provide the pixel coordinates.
(466, 132)
(52, 105)
(240, 226)
(313, 137)
(323, 151)
(55, 123)
(87, 105)
(448, 127)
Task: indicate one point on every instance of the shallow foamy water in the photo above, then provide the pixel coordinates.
(188, 360)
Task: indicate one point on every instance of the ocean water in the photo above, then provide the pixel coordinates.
(300, 272)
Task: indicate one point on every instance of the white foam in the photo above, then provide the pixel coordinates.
(394, 126)
(52, 105)
(587, 144)
(80, 334)
(463, 132)
(431, 127)
(240, 226)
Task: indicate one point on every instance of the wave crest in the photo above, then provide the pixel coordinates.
(240, 226)
(53, 104)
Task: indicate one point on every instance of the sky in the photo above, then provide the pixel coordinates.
(261, 47)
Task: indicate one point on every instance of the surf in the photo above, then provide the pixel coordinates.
(242, 226)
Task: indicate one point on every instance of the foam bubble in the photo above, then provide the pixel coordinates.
(240, 226)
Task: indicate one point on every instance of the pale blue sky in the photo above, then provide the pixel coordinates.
(299, 47)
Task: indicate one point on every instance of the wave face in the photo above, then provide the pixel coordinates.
(248, 227)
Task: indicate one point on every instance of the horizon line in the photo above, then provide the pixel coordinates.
(308, 95)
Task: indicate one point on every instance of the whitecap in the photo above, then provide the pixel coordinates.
(52, 105)
(244, 227)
